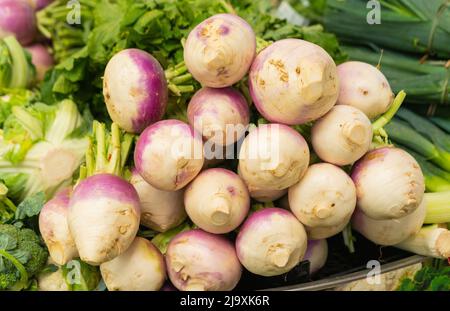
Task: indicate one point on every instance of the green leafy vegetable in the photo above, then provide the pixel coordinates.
(428, 279)
(31, 206)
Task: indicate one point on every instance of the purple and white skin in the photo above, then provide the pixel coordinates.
(217, 200)
(135, 90)
(41, 59)
(221, 115)
(293, 81)
(200, 261)
(169, 154)
(342, 136)
(316, 254)
(272, 157)
(271, 242)
(17, 18)
(365, 87)
(220, 50)
(54, 228)
(39, 4)
(389, 183)
(389, 231)
(140, 268)
(103, 217)
(324, 197)
(160, 210)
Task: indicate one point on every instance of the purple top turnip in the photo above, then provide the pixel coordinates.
(217, 200)
(316, 254)
(342, 136)
(363, 86)
(54, 228)
(271, 242)
(39, 4)
(389, 183)
(135, 90)
(17, 18)
(169, 154)
(103, 217)
(293, 81)
(273, 157)
(140, 268)
(200, 261)
(41, 59)
(221, 115)
(160, 210)
(219, 51)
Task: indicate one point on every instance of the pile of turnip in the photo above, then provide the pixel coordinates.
(291, 82)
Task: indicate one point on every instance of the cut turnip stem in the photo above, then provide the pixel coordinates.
(293, 81)
(316, 254)
(217, 200)
(273, 157)
(135, 90)
(266, 196)
(342, 136)
(363, 86)
(389, 183)
(140, 268)
(389, 231)
(103, 217)
(169, 154)
(438, 207)
(221, 115)
(219, 51)
(54, 228)
(17, 18)
(271, 242)
(324, 197)
(430, 241)
(41, 58)
(200, 261)
(160, 210)
(317, 233)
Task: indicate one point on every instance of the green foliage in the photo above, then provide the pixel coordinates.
(428, 278)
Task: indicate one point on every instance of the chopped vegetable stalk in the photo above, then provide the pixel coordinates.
(438, 207)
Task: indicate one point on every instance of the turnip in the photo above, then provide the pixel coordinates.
(316, 254)
(363, 86)
(389, 183)
(140, 268)
(54, 228)
(17, 18)
(342, 136)
(135, 90)
(219, 51)
(41, 58)
(324, 197)
(267, 195)
(201, 261)
(293, 81)
(389, 231)
(271, 242)
(39, 4)
(169, 154)
(221, 115)
(324, 232)
(103, 217)
(273, 157)
(160, 210)
(217, 201)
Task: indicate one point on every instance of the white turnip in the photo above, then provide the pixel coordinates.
(140, 268)
(217, 201)
(342, 136)
(200, 261)
(324, 197)
(17, 18)
(316, 254)
(169, 154)
(219, 51)
(54, 228)
(160, 210)
(135, 90)
(317, 233)
(267, 195)
(389, 183)
(271, 242)
(293, 81)
(103, 217)
(363, 86)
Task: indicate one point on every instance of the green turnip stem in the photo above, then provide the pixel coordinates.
(32, 125)
(100, 157)
(438, 207)
(348, 238)
(388, 115)
(430, 241)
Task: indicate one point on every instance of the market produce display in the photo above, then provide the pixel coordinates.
(199, 144)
